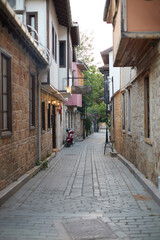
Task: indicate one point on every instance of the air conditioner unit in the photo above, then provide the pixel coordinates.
(17, 5)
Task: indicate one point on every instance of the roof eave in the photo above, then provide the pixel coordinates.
(75, 34)
(63, 11)
(106, 8)
(82, 66)
(12, 21)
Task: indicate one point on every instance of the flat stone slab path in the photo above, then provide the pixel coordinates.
(82, 195)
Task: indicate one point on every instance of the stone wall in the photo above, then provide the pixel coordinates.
(78, 125)
(116, 133)
(18, 152)
(133, 145)
(46, 136)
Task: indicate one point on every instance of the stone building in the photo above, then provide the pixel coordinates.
(136, 49)
(54, 32)
(20, 64)
(35, 68)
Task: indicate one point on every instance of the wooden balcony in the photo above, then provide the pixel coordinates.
(136, 29)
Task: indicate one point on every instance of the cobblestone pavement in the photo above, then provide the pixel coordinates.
(81, 186)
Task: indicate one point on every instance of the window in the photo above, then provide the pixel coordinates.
(53, 44)
(129, 110)
(32, 100)
(49, 115)
(43, 115)
(62, 54)
(55, 47)
(32, 21)
(123, 111)
(5, 92)
(146, 107)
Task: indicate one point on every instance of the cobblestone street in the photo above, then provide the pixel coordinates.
(81, 187)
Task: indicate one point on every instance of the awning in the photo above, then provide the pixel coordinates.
(51, 90)
(65, 94)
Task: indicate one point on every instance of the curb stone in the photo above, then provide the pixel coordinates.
(146, 183)
(12, 188)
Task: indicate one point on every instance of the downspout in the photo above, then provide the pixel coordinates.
(68, 31)
(39, 118)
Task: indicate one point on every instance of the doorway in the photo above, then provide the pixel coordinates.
(53, 126)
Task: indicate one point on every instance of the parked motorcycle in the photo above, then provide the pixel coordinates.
(69, 138)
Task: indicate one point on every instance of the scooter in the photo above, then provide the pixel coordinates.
(70, 137)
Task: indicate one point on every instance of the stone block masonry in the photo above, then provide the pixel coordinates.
(143, 152)
(19, 150)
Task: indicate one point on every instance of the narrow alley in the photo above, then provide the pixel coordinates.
(81, 195)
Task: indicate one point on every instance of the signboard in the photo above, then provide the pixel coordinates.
(81, 89)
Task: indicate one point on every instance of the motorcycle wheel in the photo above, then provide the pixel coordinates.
(68, 144)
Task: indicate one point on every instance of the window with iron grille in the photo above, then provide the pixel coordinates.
(147, 106)
(5, 92)
(32, 100)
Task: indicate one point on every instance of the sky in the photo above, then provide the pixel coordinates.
(89, 15)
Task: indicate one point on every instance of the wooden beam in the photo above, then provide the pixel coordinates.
(141, 35)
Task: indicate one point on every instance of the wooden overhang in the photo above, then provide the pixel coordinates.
(9, 20)
(82, 66)
(63, 12)
(104, 69)
(75, 34)
(106, 8)
(53, 91)
(132, 46)
(132, 49)
(105, 55)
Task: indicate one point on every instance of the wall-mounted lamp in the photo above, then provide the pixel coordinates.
(67, 89)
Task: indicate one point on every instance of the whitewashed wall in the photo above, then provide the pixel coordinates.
(63, 71)
(40, 7)
(115, 73)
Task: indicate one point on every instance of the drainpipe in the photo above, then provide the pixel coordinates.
(68, 30)
(64, 105)
(64, 121)
(39, 119)
(159, 183)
